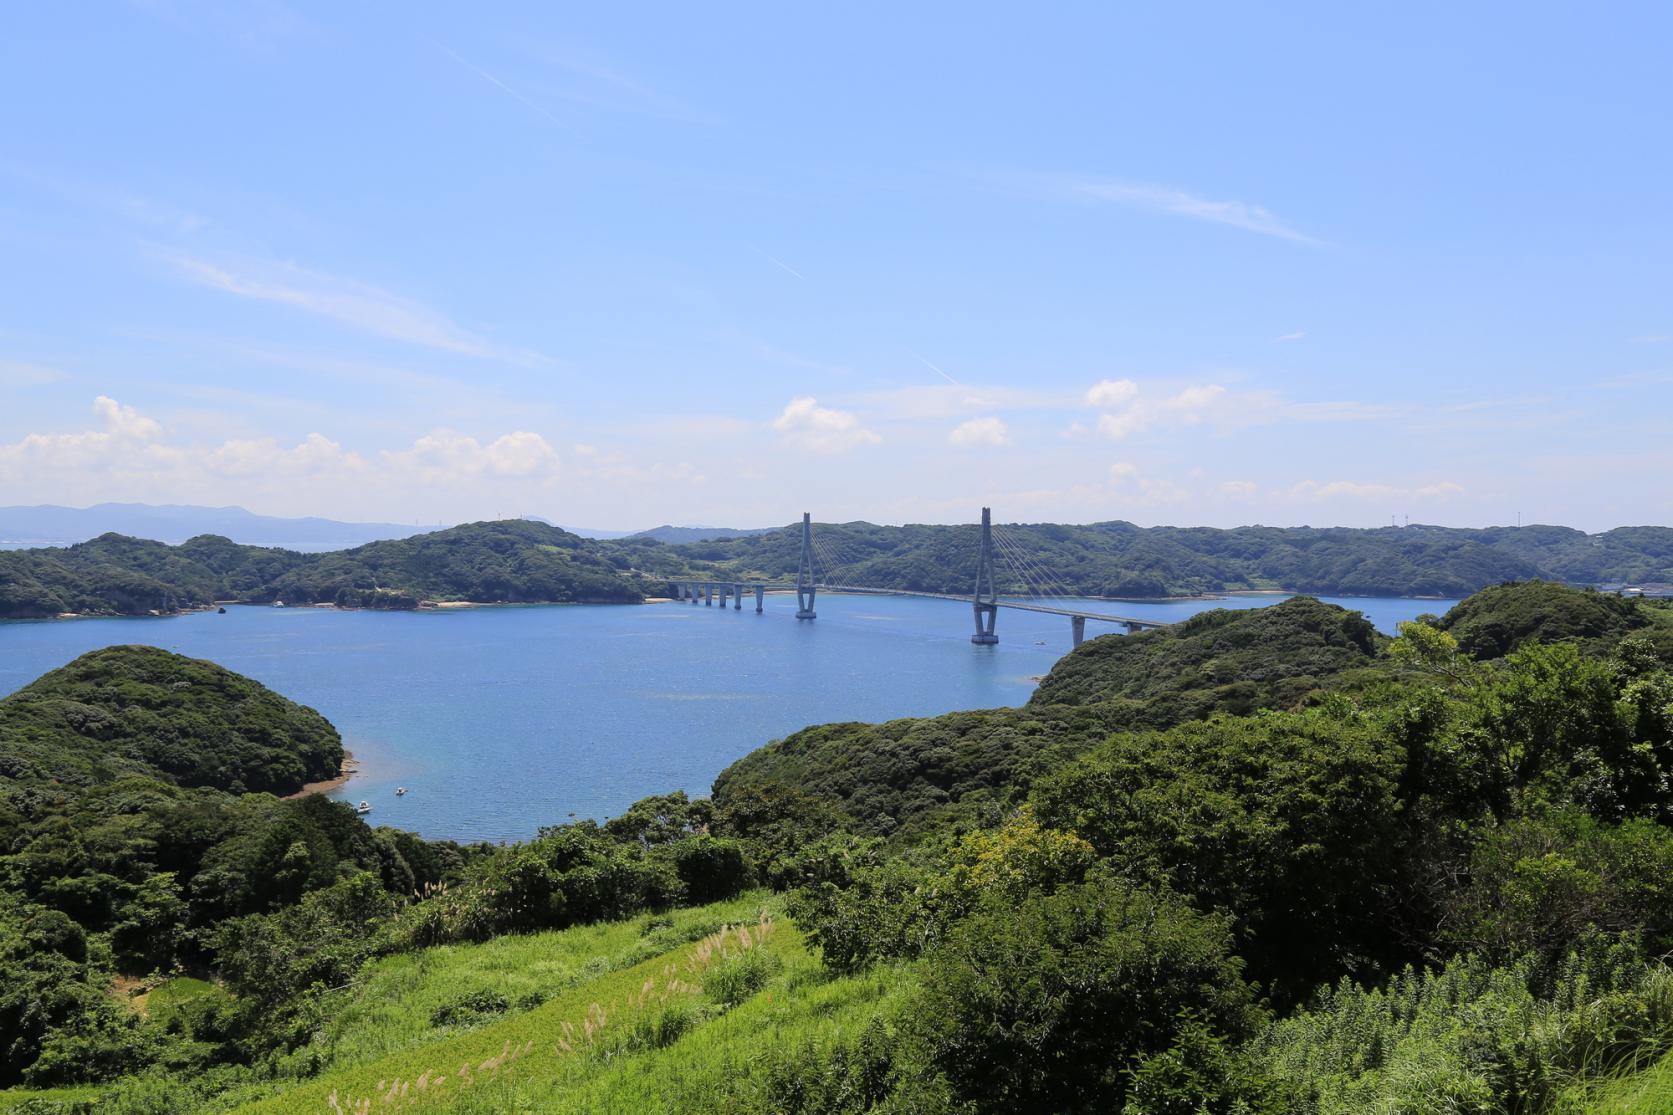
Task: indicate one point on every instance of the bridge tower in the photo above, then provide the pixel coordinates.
(804, 574)
(985, 601)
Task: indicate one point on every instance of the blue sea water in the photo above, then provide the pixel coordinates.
(501, 720)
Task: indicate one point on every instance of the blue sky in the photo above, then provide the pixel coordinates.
(1205, 264)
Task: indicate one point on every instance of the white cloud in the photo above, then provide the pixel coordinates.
(130, 455)
(444, 455)
(1111, 393)
(1239, 487)
(352, 303)
(1155, 199)
(1287, 337)
(1312, 490)
(1188, 407)
(315, 454)
(1131, 483)
(807, 425)
(954, 400)
(980, 431)
(124, 421)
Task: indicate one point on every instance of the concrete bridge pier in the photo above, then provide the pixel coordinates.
(984, 602)
(760, 598)
(695, 593)
(708, 596)
(1077, 626)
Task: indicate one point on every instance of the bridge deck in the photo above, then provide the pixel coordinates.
(1017, 605)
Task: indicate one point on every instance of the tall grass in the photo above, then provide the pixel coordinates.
(1471, 1038)
(566, 1039)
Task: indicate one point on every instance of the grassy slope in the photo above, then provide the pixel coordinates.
(382, 1043)
(1646, 1093)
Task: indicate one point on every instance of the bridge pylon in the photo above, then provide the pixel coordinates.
(804, 573)
(984, 602)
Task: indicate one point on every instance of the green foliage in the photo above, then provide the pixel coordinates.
(570, 875)
(1471, 1037)
(1230, 660)
(850, 1078)
(1048, 1006)
(1288, 821)
(736, 978)
(57, 1024)
(1201, 1073)
(467, 1009)
(894, 909)
(1543, 883)
(908, 778)
(1497, 620)
(1551, 725)
(144, 710)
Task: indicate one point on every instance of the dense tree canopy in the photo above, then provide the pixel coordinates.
(514, 561)
(1119, 559)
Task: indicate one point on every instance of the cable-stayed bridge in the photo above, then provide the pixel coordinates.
(819, 571)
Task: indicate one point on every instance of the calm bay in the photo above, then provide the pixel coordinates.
(501, 720)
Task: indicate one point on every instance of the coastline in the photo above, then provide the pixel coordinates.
(350, 768)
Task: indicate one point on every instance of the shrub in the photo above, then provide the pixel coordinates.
(1289, 822)
(738, 977)
(1471, 1037)
(469, 1009)
(1048, 1005)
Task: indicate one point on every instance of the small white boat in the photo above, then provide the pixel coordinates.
(363, 807)
(278, 603)
(399, 790)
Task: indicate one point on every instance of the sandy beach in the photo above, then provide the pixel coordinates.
(348, 770)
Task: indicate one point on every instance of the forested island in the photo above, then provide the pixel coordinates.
(521, 561)
(1118, 559)
(515, 561)
(1258, 862)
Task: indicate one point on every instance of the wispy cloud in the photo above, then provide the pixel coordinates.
(1313, 490)
(599, 82)
(924, 360)
(347, 301)
(19, 373)
(500, 85)
(1152, 198)
(1287, 337)
(952, 400)
(780, 263)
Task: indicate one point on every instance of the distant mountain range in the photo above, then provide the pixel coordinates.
(700, 534)
(48, 524)
(51, 525)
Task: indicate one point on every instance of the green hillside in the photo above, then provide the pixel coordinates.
(909, 776)
(1118, 559)
(141, 710)
(1264, 862)
(515, 561)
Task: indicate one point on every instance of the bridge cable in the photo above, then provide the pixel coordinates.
(1018, 569)
(826, 558)
(1018, 566)
(1052, 586)
(1052, 583)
